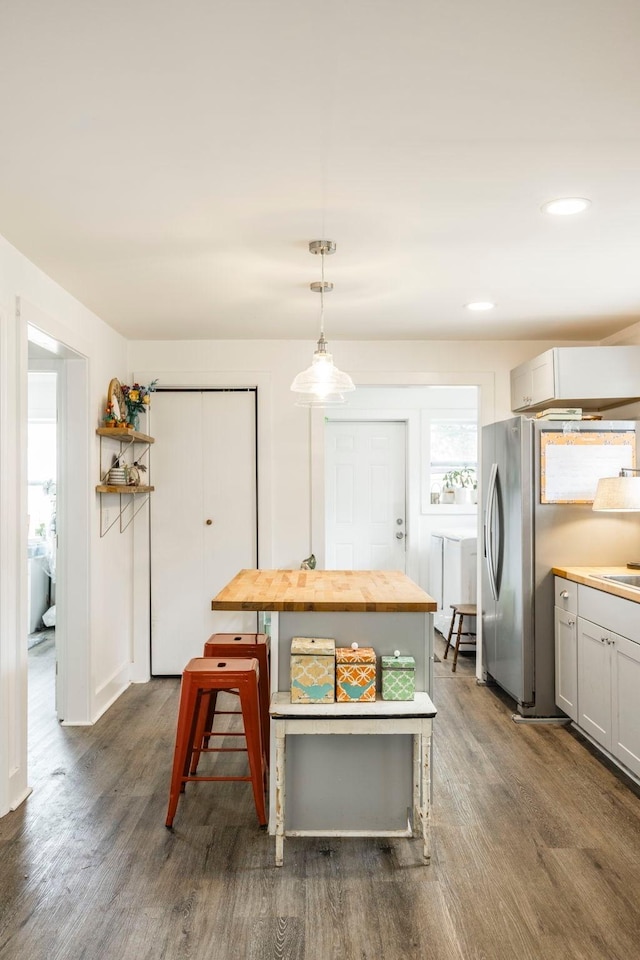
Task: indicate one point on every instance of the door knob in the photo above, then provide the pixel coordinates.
(399, 535)
(209, 522)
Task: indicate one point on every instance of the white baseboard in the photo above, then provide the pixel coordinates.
(108, 693)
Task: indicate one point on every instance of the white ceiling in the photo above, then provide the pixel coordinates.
(168, 162)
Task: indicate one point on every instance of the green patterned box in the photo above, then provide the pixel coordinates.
(398, 677)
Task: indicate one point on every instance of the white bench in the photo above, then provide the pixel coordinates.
(413, 717)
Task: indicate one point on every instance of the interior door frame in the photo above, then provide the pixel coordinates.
(73, 655)
(411, 422)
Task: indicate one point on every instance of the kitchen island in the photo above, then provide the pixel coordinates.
(362, 783)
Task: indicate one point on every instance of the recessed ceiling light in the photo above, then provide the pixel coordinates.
(480, 305)
(565, 206)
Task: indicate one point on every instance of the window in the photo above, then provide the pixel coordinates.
(453, 446)
(449, 442)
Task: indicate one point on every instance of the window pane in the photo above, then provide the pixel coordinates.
(454, 445)
(454, 442)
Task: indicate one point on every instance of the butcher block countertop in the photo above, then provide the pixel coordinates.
(353, 591)
(589, 576)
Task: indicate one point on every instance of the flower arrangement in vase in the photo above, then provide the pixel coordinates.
(136, 399)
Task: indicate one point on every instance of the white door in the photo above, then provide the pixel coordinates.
(365, 491)
(203, 517)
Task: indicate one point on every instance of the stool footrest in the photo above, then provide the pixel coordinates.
(211, 779)
(224, 733)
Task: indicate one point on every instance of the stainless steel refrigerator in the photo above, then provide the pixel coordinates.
(523, 538)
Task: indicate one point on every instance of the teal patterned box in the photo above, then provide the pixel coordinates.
(398, 677)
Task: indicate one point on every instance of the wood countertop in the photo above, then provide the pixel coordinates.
(590, 577)
(373, 591)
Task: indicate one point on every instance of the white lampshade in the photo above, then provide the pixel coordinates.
(618, 494)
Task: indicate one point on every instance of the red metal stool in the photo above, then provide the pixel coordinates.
(203, 678)
(236, 645)
(460, 610)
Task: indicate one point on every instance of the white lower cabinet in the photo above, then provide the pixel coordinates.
(594, 681)
(598, 670)
(567, 662)
(625, 703)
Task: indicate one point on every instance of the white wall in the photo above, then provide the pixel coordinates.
(105, 650)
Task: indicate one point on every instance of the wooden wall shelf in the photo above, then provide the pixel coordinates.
(129, 507)
(117, 433)
(122, 488)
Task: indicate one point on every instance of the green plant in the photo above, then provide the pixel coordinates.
(464, 477)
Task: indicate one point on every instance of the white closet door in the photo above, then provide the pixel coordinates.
(203, 518)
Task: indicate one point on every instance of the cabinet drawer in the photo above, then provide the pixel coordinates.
(617, 614)
(566, 595)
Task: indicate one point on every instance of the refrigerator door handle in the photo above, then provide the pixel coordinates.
(488, 529)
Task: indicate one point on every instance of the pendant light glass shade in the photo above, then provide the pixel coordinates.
(321, 384)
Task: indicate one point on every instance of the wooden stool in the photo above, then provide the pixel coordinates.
(252, 645)
(202, 678)
(460, 610)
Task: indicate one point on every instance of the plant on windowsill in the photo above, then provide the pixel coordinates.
(459, 485)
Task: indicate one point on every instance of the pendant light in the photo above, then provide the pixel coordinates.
(321, 384)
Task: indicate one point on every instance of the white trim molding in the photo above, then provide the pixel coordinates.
(13, 552)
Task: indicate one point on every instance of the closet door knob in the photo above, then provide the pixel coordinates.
(209, 522)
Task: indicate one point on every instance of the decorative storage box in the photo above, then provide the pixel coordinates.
(313, 670)
(355, 673)
(398, 677)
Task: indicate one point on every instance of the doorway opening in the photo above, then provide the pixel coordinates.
(441, 424)
(57, 544)
(42, 475)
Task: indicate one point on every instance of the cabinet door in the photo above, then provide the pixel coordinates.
(594, 681)
(533, 382)
(566, 632)
(521, 387)
(625, 701)
(542, 378)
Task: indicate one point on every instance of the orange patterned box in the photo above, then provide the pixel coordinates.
(355, 673)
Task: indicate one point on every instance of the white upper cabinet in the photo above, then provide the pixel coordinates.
(593, 378)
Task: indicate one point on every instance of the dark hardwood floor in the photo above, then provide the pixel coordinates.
(536, 850)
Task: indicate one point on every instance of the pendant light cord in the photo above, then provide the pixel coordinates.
(322, 296)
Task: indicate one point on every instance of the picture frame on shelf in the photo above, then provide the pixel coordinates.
(115, 398)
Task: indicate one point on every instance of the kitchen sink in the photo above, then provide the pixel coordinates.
(629, 580)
